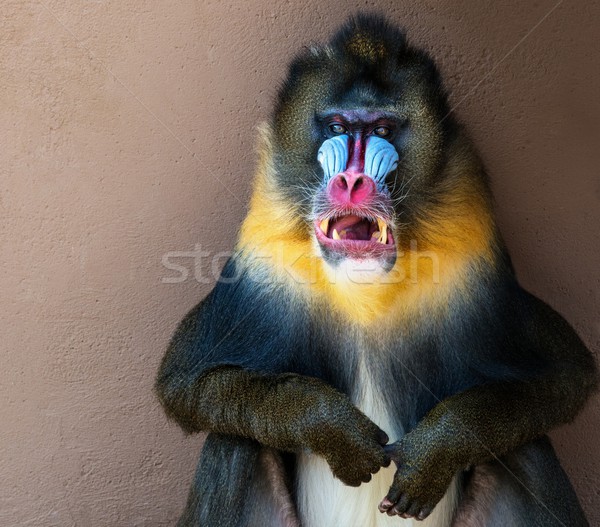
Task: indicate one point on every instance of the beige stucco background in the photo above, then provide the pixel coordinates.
(127, 131)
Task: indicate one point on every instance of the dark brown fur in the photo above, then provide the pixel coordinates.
(473, 370)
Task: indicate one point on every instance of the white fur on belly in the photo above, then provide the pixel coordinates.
(324, 501)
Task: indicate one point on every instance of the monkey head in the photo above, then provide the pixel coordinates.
(359, 133)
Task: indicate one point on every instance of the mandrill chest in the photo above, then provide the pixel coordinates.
(324, 501)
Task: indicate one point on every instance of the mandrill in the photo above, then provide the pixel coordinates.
(367, 358)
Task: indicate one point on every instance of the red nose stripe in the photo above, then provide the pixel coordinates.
(356, 161)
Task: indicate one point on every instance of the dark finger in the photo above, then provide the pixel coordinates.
(382, 437)
(385, 505)
(351, 482)
(413, 510)
(394, 493)
(401, 506)
(380, 459)
(375, 469)
(386, 461)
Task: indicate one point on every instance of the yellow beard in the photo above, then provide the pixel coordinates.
(453, 242)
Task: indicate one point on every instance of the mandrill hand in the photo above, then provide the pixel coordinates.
(350, 442)
(422, 478)
(354, 450)
(356, 456)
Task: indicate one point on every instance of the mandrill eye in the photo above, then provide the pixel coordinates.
(381, 131)
(337, 128)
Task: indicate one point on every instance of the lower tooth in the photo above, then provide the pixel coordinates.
(375, 235)
(335, 235)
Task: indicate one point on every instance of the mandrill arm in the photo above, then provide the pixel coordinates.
(224, 372)
(490, 420)
(287, 412)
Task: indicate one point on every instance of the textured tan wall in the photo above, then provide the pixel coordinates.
(127, 130)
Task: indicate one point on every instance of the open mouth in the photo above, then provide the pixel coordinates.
(355, 236)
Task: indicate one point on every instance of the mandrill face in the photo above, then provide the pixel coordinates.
(359, 132)
(353, 210)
